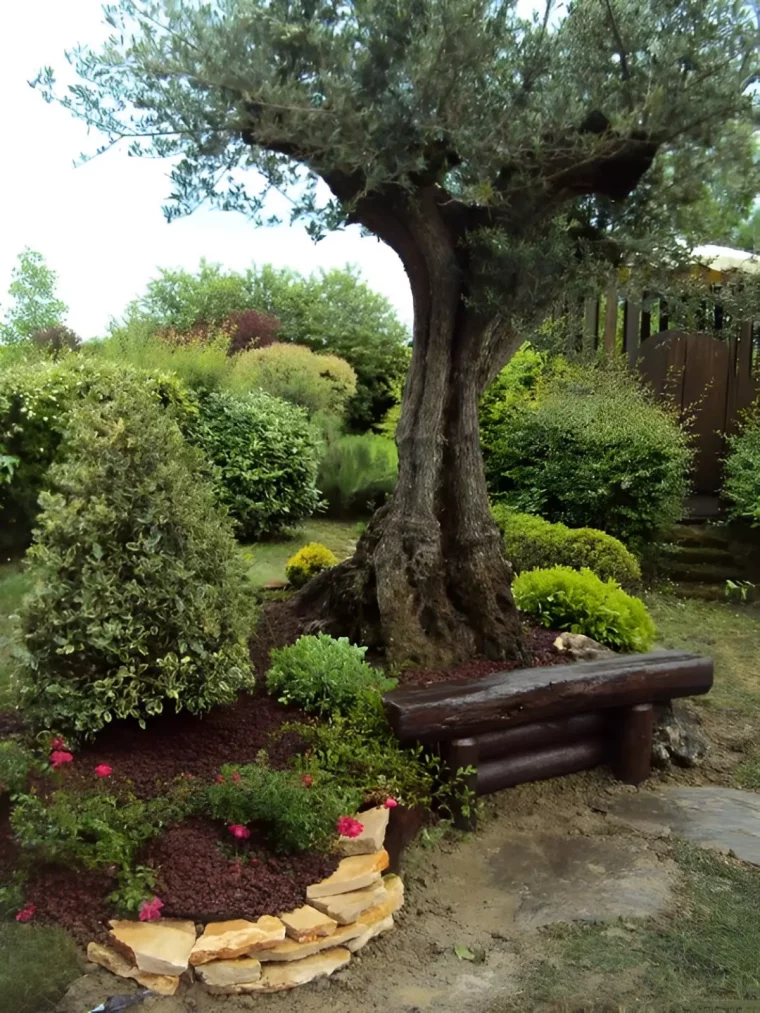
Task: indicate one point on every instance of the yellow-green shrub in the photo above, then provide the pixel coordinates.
(308, 562)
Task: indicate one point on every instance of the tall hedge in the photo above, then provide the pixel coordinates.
(589, 447)
(138, 594)
(742, 471)
(266, 455)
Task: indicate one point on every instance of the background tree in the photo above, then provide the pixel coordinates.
(34, 306)
(501, 158)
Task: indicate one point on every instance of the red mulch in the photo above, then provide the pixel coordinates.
(540, 644)
(72, 898)
(200, 880)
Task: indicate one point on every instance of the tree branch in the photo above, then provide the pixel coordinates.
(624, 71)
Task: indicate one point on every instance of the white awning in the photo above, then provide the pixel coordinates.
(723, 258)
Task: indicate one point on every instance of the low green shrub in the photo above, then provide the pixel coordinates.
(742, 471)
(266, 457)
(590, 447)
(16, 761)
(96, 830)
(296, 815)
(36, 400)
(361, 750)
(323, 674)
(308, 562)
(139, 596)
(358, 473)
(578, 601)
(531, 542)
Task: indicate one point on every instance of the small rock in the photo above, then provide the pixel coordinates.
(372, 838)
(345, 908)
(353, 873)
(276, 585)
(677, 738)
(163, 984)
(159, 947)
(230, 972)
(306, 924)
(236, 938)
(581, 648)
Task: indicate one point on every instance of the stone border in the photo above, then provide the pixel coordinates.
(276, 952)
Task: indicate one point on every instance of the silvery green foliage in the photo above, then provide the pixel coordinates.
(531, 127)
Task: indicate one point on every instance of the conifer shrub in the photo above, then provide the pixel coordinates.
(308, 562)
(139, 597)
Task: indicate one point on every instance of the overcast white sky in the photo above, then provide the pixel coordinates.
(100, 225)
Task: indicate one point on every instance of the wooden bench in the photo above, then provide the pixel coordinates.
(534, 723)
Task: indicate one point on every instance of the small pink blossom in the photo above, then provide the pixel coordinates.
(58, 757)
(349, 827)
(26, 913)
(308, 780)
(236, 776)
(254, 861)
(220, 779)
(150, 910)
(57, 743)
(242, 833)
(390, 803)
(103, 770)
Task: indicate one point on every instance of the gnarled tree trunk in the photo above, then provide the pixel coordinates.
(429, 582)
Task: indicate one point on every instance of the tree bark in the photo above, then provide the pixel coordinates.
(429, 583)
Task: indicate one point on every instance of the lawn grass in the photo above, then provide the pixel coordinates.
(13, 584)
(730, 633)
(266, 560)
(702, 956)
(37, 964)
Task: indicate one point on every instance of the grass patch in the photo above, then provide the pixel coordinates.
(13, 585)
(38, 964)
(730, 633)
(706, 953)
(266, 560)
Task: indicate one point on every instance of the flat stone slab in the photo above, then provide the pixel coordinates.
(372, 837)
(354, 873)
(568, 879)
(158, 947)
(722, 818)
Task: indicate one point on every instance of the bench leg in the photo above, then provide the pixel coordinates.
(633, 756)
(463, 753)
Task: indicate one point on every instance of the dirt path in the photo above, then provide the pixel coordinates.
(545, 853)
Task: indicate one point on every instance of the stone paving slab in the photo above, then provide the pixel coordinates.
(564, 879)
(722, 818)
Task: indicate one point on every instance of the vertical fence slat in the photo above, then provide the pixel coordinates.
(610, 320)
(631, 330)
(590, 325)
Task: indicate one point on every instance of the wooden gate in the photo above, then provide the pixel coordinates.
(711, 381)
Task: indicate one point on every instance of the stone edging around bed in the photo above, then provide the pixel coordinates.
(276, 952)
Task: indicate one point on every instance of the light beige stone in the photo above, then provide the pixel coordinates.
(394, 899)
(237, 938)
(306, 924)
(372, 838)
(230, 972)
(353, 873)
(163, 984)
(358, 942)
(278, 977)
(289, 949)
(159, 947)
(345, 908)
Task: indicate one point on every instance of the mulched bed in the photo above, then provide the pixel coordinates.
(540, 643)
(201, 880)
(75, 899)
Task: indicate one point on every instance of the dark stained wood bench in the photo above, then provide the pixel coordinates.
(534, 723)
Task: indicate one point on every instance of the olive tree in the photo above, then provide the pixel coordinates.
(501, 156)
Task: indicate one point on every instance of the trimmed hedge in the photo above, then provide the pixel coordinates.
(742, 471)
(531, 542)
(308, 562)
(578, 601)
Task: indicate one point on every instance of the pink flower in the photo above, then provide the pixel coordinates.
(390, 803)
(349, 827)
(242, 833)
(58, 757)
(26, 913)
(236, 776)
(308, 780)
(150, 910)
(103, 770)
(219, 779)
(254, 861)
(57, 743)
